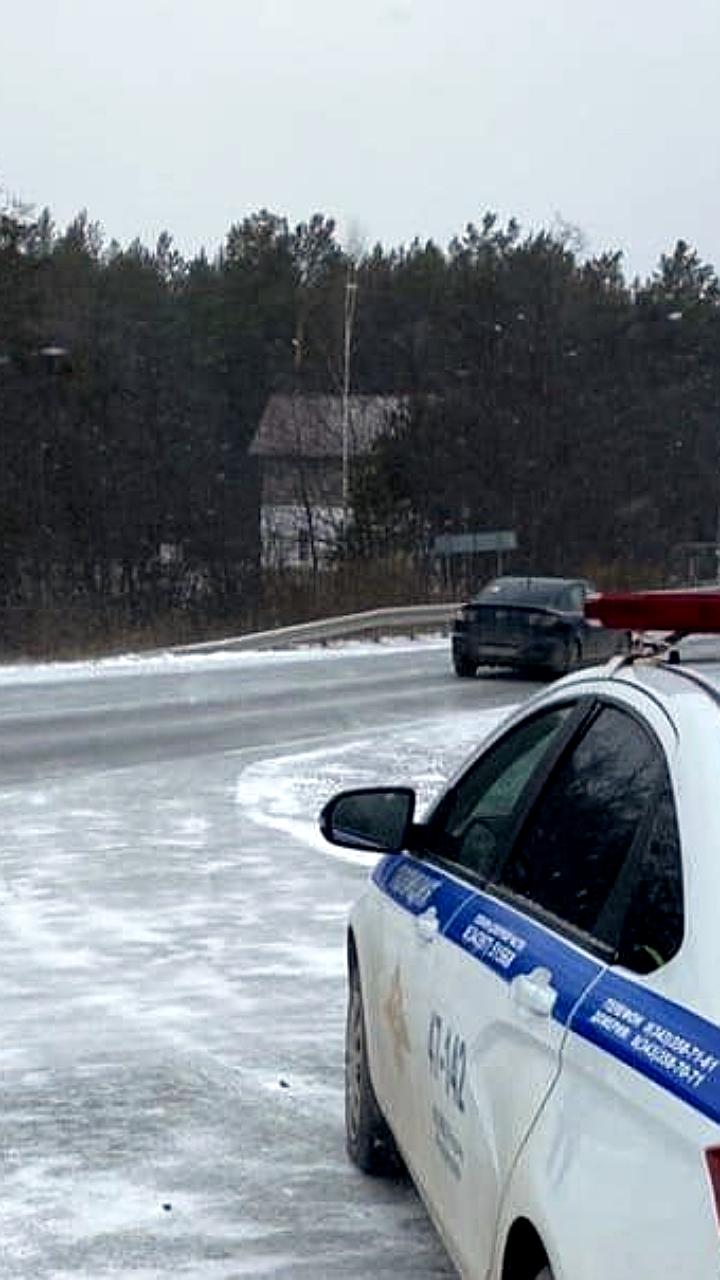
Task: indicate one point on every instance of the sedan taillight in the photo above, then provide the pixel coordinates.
(544, 621)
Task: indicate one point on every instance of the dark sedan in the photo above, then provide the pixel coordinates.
(531, 623)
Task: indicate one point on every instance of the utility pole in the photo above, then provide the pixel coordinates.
(350, 303)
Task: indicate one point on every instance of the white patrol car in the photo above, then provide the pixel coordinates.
(534, 976)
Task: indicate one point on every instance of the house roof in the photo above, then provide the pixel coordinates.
(312, 426)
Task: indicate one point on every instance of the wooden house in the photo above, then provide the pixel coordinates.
(299, 447)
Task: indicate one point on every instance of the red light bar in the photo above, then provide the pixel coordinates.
(673, 611)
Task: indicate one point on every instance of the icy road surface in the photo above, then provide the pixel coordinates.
(172, 1004)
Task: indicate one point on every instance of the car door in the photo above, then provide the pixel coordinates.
(462, 841)
(636, 1108)
(592, 637)
(599, 643)
(517, 958)
(404, 916)
(397, 927)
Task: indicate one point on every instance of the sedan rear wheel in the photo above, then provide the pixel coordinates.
(464, 667)
(569, 660)
(369, 1141)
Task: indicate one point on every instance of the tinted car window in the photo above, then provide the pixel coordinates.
(568, 601)
(583, 827)
(526, 591)
(654, 924)
(475, 820)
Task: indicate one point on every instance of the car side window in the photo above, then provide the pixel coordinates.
(474, 822)
(654, 923)
(583, 827)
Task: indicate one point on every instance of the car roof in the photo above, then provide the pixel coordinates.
(675, 677)
(690, 670)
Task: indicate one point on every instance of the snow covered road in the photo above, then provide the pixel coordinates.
(172, 985)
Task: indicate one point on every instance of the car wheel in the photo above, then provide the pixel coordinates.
(369, 1141)
(464, 667)
(569, 660)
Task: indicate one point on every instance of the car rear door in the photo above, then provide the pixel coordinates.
(520, 954)
(636, 1110)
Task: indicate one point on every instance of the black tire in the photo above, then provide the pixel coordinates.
(465, 668)
(570, 660)
(369, 1141)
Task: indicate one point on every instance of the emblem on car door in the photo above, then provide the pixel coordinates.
(394, 1012)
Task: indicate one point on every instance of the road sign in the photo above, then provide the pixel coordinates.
(459, 544)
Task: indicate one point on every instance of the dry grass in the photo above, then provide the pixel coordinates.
(105, 628)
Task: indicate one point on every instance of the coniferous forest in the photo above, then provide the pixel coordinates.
(546, 393)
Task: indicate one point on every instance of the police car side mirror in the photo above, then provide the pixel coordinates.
(374, 818)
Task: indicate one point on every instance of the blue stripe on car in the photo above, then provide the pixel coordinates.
(416, 888)
(663, 1041)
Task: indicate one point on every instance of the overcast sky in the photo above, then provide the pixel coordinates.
(397, 117)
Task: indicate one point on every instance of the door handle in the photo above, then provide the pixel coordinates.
(428, 925)
(534, 991)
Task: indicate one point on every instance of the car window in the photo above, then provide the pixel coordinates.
(476, 818)
(581, 830)
(654, 924)
(525, 591)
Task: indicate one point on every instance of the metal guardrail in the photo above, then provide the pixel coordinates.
(375, 622)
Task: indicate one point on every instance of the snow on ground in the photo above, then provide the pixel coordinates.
(172, 997)
(288, 791)
(179, 661)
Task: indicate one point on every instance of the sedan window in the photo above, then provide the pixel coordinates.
(474, 821)
(654, 923)
(526, 592)
(575, 600)
(582, 829)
